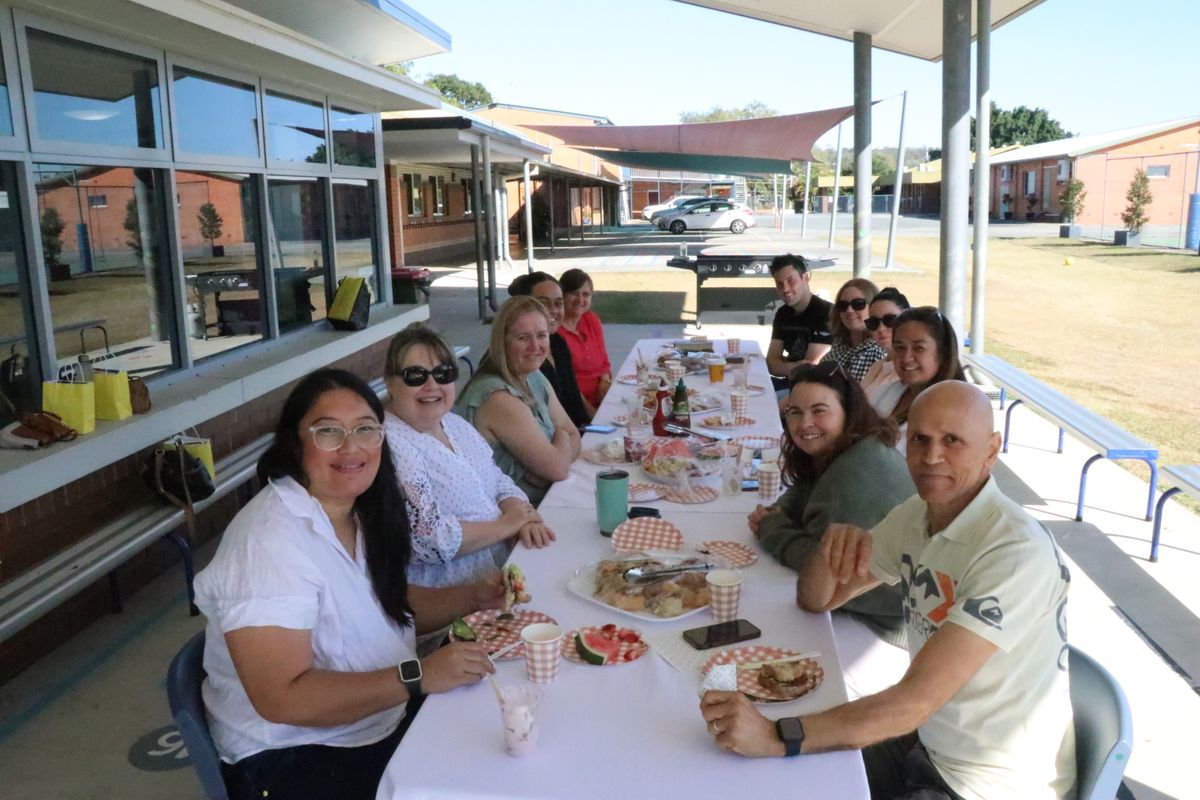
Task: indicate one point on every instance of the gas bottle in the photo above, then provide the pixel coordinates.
(681, 408)
(662, 408)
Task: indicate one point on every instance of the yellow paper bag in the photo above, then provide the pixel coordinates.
(74, 402)
(112, 395)
(196, 446)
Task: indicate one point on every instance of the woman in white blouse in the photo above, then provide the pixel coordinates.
(466, 514)
(309, 646)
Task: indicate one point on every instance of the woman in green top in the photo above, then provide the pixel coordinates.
(841, 465)
(512, 405)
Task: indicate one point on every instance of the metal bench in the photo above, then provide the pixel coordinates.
(1110, 440)
(1185, 478)
(461, 353)
(45, 587)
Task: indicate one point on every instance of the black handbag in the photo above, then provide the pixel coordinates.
(178, 476)
(16, 384)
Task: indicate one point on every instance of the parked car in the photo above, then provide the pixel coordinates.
(674, 202)
(719, 215)
(679, 209)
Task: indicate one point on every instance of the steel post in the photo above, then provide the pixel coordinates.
(896, 190)
(956, 130)
(862, 155)
(983, 192)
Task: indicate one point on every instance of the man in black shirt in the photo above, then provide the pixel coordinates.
(558, 368)
(800, 332)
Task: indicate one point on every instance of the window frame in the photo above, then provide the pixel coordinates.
(414, 194)
(307, 168)
(347, 170)
(466, 187)
(1162, 177)
(181, 155)
(439, 195)
(16, 89)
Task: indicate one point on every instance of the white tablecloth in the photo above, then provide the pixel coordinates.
(632, 730)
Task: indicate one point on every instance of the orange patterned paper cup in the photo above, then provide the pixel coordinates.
(543, 643)
(725, 593)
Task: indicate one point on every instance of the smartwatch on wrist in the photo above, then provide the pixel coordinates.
(410, 676)
(791, 732)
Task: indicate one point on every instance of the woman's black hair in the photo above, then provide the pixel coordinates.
(380, 509)
(523, 284)
(892, 295)
(573, 280)
(949, 367)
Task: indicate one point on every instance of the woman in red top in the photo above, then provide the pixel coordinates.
(584, 335)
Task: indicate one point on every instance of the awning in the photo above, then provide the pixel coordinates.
(717, 165)
(784, 138)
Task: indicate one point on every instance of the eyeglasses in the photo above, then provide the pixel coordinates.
(858, 304)
(887, 321)
(332, 437)
(416, 376)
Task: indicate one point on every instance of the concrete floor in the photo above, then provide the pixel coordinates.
(91, 721)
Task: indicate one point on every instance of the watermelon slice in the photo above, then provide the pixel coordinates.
(595, 648)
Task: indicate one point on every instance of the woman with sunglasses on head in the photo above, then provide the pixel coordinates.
(925, 352)
(466, 513)
(853, 347)
(584, 334)
(310, 642)
(511, 403)
(559, 368)
(841, 466)
(885, 308)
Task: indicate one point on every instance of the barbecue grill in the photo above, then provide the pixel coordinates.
(723, 263)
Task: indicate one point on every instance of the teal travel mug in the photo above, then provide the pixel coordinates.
(612, 499)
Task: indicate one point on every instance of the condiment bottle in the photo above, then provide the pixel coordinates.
(662, 408)
(681, 409)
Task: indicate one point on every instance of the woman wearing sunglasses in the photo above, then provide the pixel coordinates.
(466, 513)
(925, 352)
(510, 402)
(310, 642)
(841, 466)
(883, 311)
(853, 348)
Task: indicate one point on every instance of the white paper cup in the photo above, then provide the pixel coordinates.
(733, 345)
(768, 480)
(725, 593)
(543, 641)
(675, 372)
(519, 716)
(737, 403)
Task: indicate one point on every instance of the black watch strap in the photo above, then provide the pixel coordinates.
(791, 732)
(410, 676)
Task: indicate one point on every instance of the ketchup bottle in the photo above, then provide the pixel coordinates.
(662, 408)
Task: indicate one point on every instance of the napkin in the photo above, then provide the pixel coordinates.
(670, 645)
(721, 678)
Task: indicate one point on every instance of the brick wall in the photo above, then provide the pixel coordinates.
(43, 527)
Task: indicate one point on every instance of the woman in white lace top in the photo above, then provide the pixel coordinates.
(465, 513)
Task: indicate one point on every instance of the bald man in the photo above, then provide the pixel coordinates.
(984, 710)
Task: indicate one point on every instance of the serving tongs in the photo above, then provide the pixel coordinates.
(672, 427)
(644, 575)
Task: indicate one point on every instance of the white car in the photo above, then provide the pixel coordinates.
(658, 216)
(718, 215)
(648, 211)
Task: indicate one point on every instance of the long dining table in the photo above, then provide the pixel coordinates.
(631, 729)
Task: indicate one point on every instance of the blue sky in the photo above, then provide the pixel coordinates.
(1095, 65)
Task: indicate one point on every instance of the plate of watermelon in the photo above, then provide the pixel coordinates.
(603, 645)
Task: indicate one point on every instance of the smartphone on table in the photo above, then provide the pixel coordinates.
(595, 428)
(721, 634)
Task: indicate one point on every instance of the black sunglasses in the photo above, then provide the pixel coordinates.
(887, 321)
(416, 376)
(858, 304)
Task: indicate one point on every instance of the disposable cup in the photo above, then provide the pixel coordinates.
(725, 593)
(768, 481)
(716, 369)
(737, 403)
(543, 641)
(637, 440)
(519, 716)
(733, 345)
(676, 371)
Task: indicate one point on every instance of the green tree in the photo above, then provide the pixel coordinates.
(456, 91)
(753, 110)
(1022, 125)
(1138, 197)
(400, 68)
(210, 223)
(52, 228)
(133, 227)
(1071, 199)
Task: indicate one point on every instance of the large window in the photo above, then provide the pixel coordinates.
(297, 249)
(214, 115)
(13, 335)
(108, 267)
(93, 95)
(6, 125)
(412, 191)
(353, 138)
(218, 233)
(295, 129)
(439, 195)
(354, 231)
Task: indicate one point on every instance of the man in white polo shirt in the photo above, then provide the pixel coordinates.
(984, 711)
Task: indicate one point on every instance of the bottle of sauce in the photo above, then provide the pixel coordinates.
(681, 409)
(662, 408)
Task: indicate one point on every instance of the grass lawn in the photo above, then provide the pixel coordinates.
(1102, 329)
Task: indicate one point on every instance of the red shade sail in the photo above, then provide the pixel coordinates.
(789, 138)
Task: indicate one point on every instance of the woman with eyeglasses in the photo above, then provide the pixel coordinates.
(841, 466)
(559, 367)
(310, 643)
(885, 308)
(510, 402)
(584, 334)
(925, 352)
(466, 513)
(853, 347)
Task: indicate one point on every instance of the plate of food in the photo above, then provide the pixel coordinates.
(603, 645)
(771, 674)
(604, 583)
(670, 460)
(736, 553)
(497, 629)
(758, 442)
(705, 401)
(609, 453)
(726, 422)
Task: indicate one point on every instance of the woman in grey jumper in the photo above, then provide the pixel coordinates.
(841, 465)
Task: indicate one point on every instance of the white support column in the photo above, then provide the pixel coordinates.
(898, 188)
(489, 218)
(807, 198)
(863, 199)
(528, 214)
(837, 183)
(956, 166)
(983, 168)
